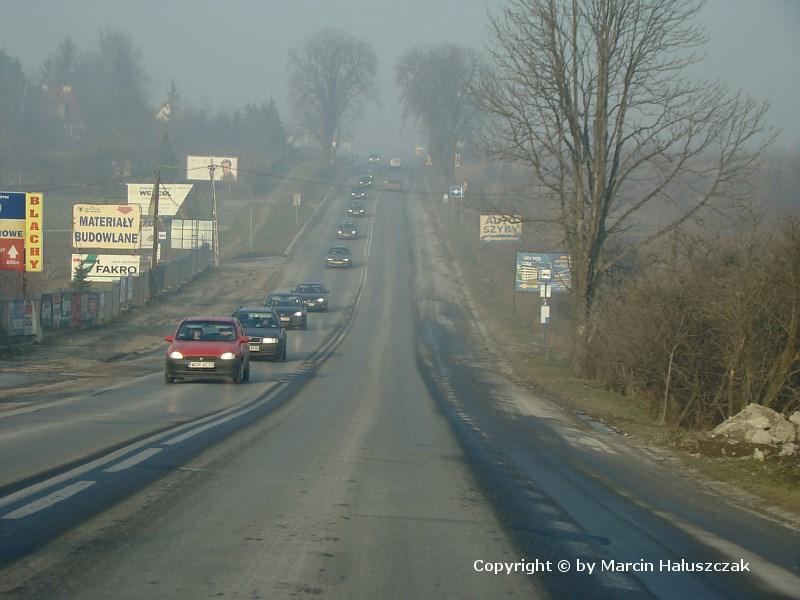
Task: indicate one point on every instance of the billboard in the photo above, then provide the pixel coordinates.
(107, 267)
(12, 215)
(188, 234)
(114, 226)
(34, 223)
(501, 228)
(226, 168)
(534, 268)
(12, 255)
(170, 197)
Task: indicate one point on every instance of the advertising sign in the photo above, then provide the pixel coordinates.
(501, 228)
(34, 223)
(170, 197)
(12, 255)
(226, 168)
(114, 226)
(188, 234)
(12, 215)
(107, 267)
(534, 268)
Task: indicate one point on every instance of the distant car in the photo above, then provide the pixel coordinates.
(208, 348)
(394, 163)
(339, 256)
(347, 231)
(374, 159)
(313, 294)
(357, 209)
(365, 181)
(290, 309)
(392, 185)
(455, 191)
(262, 326)
(358, 193)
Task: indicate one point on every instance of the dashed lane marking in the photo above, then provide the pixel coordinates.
(49, 500)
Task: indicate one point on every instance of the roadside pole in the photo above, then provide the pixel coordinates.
(545, 289)
(215, 234)
(251, 227)
(154, 259)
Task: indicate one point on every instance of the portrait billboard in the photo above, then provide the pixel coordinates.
(225, 168)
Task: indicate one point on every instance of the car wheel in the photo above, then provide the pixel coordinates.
(305, 324)
(239, 375)
(246, 376)
(167, 378)
(283, 354)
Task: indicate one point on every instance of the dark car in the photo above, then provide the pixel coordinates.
(374, 159)
(347, 231)
(357, 209)
(208, 348)
(365, 181)
(339, 256)
(262, 326)
(358, 193)
(313, 294)
(290, 309)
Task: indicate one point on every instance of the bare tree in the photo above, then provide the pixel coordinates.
(435, 88)
(591, 95)
(331, 76)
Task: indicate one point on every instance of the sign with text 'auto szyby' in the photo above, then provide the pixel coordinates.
(534, 268)
(501, 228)
(114, 226)
(106, 267)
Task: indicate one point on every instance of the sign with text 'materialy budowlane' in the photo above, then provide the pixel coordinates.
(110, 226)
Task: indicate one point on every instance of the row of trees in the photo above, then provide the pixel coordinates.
(86, 117)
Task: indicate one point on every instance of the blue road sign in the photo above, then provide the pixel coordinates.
(534, 268)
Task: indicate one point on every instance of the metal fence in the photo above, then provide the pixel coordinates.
(22, 319)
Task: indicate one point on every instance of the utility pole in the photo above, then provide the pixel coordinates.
(154, 259)
(215, 240)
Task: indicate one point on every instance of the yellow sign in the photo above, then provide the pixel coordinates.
(106, 226)
(34, 223)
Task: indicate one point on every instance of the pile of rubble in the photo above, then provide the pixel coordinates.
(756, 431)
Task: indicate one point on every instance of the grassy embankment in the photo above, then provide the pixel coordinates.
(488, 271)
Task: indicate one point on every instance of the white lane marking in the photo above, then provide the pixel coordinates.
(49, 500)
(104, 460)
(193, 432)
(133, 460)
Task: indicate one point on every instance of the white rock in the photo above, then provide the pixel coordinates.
(788, 450)
(758, 454)
(795, 418)
(758, 436)
(757, 424)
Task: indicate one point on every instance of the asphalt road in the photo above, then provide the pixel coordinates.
(389, 458)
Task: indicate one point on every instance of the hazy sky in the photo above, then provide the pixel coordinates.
(227, 53)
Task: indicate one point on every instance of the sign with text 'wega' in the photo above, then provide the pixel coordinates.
(116, 226)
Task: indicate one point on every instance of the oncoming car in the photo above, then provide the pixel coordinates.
(339, 256)
(290, 309)
(208, 348)
(262, 326)
(313, 294)
(357, 209)
(347, 231)
(358, 193)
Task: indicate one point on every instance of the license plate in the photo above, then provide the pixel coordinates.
(254, 347)
(201, 365)
(284, 318)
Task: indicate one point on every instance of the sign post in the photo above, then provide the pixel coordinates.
(296, 200)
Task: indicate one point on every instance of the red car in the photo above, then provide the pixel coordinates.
(208, 348)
